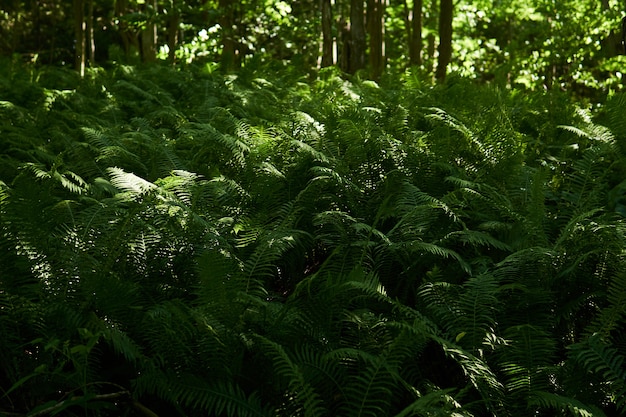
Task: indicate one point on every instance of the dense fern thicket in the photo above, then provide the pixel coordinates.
(184, 243)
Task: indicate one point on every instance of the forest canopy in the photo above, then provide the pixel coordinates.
(312, 208)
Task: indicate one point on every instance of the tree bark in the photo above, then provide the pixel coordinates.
(149, 33)
(172, 31)
(91, 55)
(327, 35)
(344, 47)
(415, 37)
(227, 22)
(445, 38)
(376, 30)
(79, 36)
(357, 36)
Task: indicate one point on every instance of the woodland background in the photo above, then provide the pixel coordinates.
(312, 208)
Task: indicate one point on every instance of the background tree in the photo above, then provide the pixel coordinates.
(376, 32)
(444, 49)
(174, 12)
(571, 44)
(228, 26)
(357, 36)
(80, 33)
(327, 33)
(148, 34)
(413, 25)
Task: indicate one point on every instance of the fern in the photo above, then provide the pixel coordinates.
(560, 403)
(297, 386)
(370, 387)
(611, 318)
(605, 360)
(436, 403)
(198, 394)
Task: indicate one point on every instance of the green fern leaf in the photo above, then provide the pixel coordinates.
(298, 385)
(560, 403)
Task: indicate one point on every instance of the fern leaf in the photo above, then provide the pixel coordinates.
(560, 403)
(218, 398)
(298, 386)
(611, 317)
(130, 182)
(371, 382)
(478, 371)
(436, 403)
(605, 360)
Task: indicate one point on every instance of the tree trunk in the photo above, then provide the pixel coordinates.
(357, 36)
(445, 38)
(79, 36)
(624, 36)
(376, 30)
(91, 55)
(172, 31)
(415, 40)
(344, 47)
(149, 34)
(327, 35)
(227, 22)
(127, 35)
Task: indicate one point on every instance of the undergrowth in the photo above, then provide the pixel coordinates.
(189, 243)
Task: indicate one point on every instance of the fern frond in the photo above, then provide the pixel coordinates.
(436, 403)
(475, 315)
(591, 132)
(123, 344)
(597, 357)
(66, 179)
(526, 359)
(557, 402)
(612, 316)
(477, 371)
(477, 238)
(220, 398)
(297, 385)
(370, 383)
(130, 182)
(417, 247)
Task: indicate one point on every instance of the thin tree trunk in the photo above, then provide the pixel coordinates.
(344, 47)
(407, 17)
(172, 32)
(376, 30)
(445, 38)
(149, 34)
(91, 55)
(79, 35)
(415, 42)
(228, 36)
(430, 45)
(357, 36)
(327, 35)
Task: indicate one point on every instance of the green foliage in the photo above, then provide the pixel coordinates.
(188, 243)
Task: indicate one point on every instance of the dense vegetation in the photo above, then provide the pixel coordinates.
(568, 44)
(312, 208)
(190, 243)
